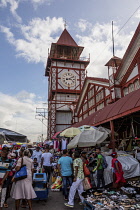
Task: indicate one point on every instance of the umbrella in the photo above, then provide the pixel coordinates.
(56, 135)
(86, 127)
(108, 131)
(70, 132)
(88, 138)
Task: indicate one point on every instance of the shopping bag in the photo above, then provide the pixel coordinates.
(86, 170)
(86, 184)
(21, 173)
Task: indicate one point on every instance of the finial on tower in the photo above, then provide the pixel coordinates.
(113, 39)
(65, 24)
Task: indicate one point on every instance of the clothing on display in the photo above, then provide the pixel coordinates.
(64, 144)
(59, 145)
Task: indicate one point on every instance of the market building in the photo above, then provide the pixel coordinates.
(75, 99)
(118, 110)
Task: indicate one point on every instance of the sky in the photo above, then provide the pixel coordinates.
(27, 29)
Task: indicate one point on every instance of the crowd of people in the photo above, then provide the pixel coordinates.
(11, 161)
(70, 166)
(73, 172)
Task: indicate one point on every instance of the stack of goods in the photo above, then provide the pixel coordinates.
(57, 185)
(134, 183)
(130, 191)
(111, 200)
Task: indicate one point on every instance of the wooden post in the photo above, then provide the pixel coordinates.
(112, 135)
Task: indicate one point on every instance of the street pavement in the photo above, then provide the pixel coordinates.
(55, 201)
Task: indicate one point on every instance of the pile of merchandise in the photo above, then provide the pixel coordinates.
(125, 199)
(57, 185)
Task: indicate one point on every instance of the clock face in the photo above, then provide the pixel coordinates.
(68, 79)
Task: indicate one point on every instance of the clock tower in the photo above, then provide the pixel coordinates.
(65, 70)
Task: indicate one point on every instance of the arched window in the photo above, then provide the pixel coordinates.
(125, 91)
(131, 88)
(137, 84)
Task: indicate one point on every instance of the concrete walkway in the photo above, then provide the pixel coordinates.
(55, 201)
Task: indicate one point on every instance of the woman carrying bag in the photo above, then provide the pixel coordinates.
(23, 188)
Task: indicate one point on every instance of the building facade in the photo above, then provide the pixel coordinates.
(75, 99)
(123, 78)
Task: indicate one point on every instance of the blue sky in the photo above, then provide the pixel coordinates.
(27, 28)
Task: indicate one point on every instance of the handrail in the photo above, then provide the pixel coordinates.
(71, 58)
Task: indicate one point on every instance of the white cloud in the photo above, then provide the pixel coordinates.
(98, 43)
(9, 34)
(39, 2)
(37, 38)
(137, 15)
(38, 35)
(13, 7)
(83, 25)
(20, 116)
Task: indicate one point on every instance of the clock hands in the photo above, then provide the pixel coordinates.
(68, 79)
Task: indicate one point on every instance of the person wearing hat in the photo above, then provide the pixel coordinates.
(118, 179)
(37, 154)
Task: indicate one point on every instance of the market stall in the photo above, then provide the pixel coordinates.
(87, 138)
(130, 165)
(11, 136)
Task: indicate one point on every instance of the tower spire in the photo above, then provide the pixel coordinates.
(113, 40)
(65, 24)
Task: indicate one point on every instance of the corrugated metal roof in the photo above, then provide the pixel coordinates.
(123, 107)
(86, 121)
(66, 39)
(115, 60)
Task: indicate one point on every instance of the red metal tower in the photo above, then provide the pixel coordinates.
(66, 73)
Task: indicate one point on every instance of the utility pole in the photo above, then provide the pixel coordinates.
(41, 114)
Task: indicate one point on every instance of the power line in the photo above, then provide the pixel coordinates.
(115, 35)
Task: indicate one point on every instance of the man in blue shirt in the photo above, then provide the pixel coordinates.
(65, 169)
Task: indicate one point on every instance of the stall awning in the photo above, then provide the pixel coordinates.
(124, 106)
(12, 135)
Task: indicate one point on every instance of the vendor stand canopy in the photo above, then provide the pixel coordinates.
(108, 131)
(88, 138)
(56, 135)
(11, 136)
(70, 132)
